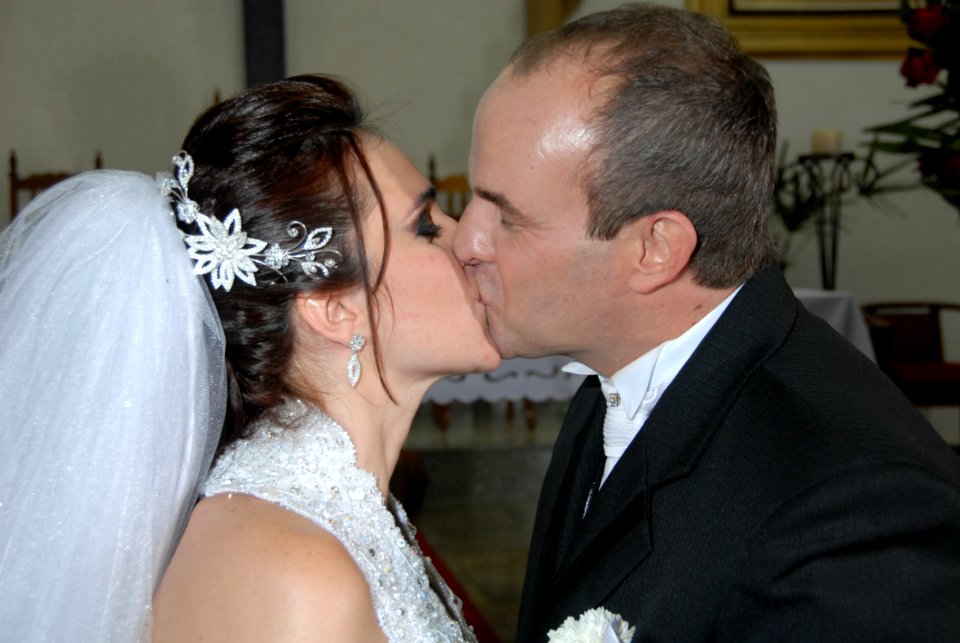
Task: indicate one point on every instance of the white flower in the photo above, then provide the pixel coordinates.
(223, 250)
(598, 625)
(276, 257)
(187, 211)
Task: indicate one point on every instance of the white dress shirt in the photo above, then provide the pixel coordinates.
(633, 391)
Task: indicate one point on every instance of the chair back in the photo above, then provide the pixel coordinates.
(906, 332)
(907, 338)
(35, 183)
(453, 190)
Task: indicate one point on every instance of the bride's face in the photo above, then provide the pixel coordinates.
(431, 321)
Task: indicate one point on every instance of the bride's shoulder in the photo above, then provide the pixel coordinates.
(248, 569)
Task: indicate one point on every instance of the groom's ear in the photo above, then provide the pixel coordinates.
(334, 316)
(657, 249)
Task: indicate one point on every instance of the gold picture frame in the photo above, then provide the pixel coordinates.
(811, 34)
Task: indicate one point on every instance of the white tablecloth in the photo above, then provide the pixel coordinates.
(516, 379)
(541, 379)
(840, 310)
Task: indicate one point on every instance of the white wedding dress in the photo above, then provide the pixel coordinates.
(311, 469)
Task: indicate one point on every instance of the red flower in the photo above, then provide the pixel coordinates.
(925, 22)
(919, 68)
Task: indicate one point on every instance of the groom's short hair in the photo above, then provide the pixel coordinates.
(690, 125)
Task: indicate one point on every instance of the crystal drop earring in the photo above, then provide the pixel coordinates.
(353, 364)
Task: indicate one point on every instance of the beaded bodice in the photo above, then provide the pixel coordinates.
(311, 469)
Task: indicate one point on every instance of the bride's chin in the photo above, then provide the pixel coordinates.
(482, 362)
(492, 360)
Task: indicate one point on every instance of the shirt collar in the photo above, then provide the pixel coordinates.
(642, 382)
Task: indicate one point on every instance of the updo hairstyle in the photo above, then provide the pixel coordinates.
(283, 152)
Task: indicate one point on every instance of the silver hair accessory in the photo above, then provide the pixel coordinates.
(353, 364)
(223, 250)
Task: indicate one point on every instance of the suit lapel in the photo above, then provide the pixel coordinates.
(577, 451)
(608, 544)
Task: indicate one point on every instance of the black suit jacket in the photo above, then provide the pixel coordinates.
(782, 490)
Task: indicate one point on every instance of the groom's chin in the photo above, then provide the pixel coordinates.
(505, 345)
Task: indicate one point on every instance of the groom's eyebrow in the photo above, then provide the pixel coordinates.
(501, 202)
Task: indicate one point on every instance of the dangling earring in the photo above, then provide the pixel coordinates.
(353, 364)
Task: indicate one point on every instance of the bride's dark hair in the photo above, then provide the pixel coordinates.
(283, 152)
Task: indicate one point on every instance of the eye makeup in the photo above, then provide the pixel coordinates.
(424, 225)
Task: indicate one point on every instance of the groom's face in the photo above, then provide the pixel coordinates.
(523, 235)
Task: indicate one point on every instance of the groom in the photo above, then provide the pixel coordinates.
(733, 470)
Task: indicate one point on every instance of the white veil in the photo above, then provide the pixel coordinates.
(112, 396)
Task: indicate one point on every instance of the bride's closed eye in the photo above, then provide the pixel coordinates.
(425, 227)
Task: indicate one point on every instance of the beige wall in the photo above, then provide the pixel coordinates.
(127, 78)
(421, 64)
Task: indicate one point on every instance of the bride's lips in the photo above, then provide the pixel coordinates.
(481, 304)
(484, 304)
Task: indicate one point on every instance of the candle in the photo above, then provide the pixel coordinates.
(827, 141)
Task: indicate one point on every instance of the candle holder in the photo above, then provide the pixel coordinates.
(830, 178)
(816, 184)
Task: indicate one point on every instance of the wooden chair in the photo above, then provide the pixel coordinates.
(908, 341)
(35, 183)
(453, 190)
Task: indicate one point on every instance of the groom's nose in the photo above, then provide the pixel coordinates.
(473, 239)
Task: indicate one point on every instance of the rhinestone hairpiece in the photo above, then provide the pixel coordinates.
(224, 251)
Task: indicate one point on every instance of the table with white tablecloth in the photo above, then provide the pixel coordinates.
(840, 310)
(537, 380)
(542, 379)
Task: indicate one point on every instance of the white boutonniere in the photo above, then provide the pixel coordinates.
(598, 625)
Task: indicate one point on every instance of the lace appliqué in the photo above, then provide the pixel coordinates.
(311, 469)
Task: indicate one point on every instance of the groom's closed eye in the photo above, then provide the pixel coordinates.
(513, 214)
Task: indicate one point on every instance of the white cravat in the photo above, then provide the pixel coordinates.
(618, 428)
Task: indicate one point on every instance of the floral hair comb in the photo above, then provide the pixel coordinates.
(223, 250)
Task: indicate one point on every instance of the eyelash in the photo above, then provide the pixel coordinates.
(426, 227)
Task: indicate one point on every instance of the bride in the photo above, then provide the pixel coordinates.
(340, 302)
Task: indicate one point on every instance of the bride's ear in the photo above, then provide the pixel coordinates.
(334, 316)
